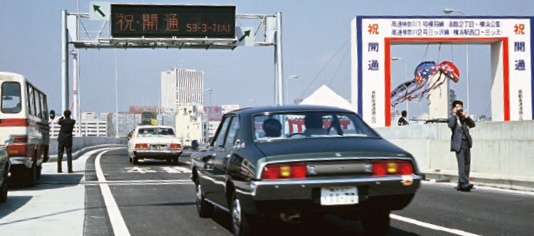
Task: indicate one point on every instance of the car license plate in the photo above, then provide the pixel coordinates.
(157, 147)
(339, 196)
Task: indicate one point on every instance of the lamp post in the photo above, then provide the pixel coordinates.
(405, 73)
(286, 90)
(449, 11)
(209, 91)
(116, 94)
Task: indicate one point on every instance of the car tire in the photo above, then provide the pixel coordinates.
(135, 160)
(204, 208)
(130, 159)
(39, 172)
(30, 175)
(241, 223)
(175, 160)
(169, 160)
(376, 223)
(4, 187)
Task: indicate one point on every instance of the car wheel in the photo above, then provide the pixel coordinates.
(135, 160)
(204, 208)
(241, 224)
(376, 223)
(3, 188)
(31, 176)
(130, 159)
(39, 172)
(169, 160)
(175, 160)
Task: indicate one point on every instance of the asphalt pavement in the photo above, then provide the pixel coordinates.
(156, 198)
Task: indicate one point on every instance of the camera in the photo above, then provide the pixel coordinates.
(459, 111)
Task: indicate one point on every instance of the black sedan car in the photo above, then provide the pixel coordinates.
(298, 162)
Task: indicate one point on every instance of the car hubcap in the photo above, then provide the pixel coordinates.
(236, 216)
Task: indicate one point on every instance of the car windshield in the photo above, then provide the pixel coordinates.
(155, 132)
(302, 125)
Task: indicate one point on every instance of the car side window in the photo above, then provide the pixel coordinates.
(232, 133)
(221, 135)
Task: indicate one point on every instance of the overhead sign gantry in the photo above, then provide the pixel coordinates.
(170, 26)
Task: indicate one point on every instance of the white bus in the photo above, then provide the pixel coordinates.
(24, 120)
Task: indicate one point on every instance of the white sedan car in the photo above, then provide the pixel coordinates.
(154, 142)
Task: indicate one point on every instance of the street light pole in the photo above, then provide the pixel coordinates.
(449, 11)
(116, 94)
(286, 89)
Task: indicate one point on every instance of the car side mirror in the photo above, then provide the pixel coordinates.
(9, 142)
(52, 114)
(210, 141)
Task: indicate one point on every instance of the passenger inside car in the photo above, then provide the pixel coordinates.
(314, 125)
(272, 128)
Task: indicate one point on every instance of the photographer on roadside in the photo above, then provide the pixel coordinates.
(461, 143)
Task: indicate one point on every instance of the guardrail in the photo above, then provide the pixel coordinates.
(502, 153)
(79, 143)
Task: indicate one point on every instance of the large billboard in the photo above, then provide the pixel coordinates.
(511, 51)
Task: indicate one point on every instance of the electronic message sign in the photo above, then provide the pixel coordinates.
(167, 21)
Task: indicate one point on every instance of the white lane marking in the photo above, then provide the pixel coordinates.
(431, 226)
(143, 182)
(175, 169)
(117, 222)
(141, 170)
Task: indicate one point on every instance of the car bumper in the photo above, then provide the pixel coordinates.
(391, 193)
(157, 154)
(19, 161)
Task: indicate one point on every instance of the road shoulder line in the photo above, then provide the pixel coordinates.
(431, 226)
(117, 221)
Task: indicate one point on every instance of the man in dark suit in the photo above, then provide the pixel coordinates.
(402, 121)
(64, 140)
(461, 143)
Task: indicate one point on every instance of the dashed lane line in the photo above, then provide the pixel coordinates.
(117, 221)
(431, 226)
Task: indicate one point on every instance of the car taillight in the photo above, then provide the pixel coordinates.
(141, 146)
(392, 167)
(284, 171)
(19, 138)
(175, 146)
(17, 150)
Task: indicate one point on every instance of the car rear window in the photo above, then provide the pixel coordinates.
(11, 97)
(155, 132)
(302, 125)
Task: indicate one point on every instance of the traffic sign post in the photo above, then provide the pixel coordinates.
(99, 11)
(159, 26)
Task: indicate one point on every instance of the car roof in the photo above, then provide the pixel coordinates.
(153, 126)
(289, 108)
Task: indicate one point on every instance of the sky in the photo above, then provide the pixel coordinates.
(316, 47)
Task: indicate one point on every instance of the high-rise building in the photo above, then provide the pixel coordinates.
(181, 87)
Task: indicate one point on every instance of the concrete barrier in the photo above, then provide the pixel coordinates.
(502, 153)
(82, 142)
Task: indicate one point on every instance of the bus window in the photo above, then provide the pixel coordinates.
(11, 97)
(37, 99)
(31, 101)
(44, 108)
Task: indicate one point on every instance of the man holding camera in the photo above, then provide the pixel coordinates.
(461, 143)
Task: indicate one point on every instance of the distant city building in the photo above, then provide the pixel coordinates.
(90, 125)
(213, 112)
(180, 87)
(126, 122)
(189, 124)
(229, 108)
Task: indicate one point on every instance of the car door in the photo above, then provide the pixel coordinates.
(208, 180)
(221, 159)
